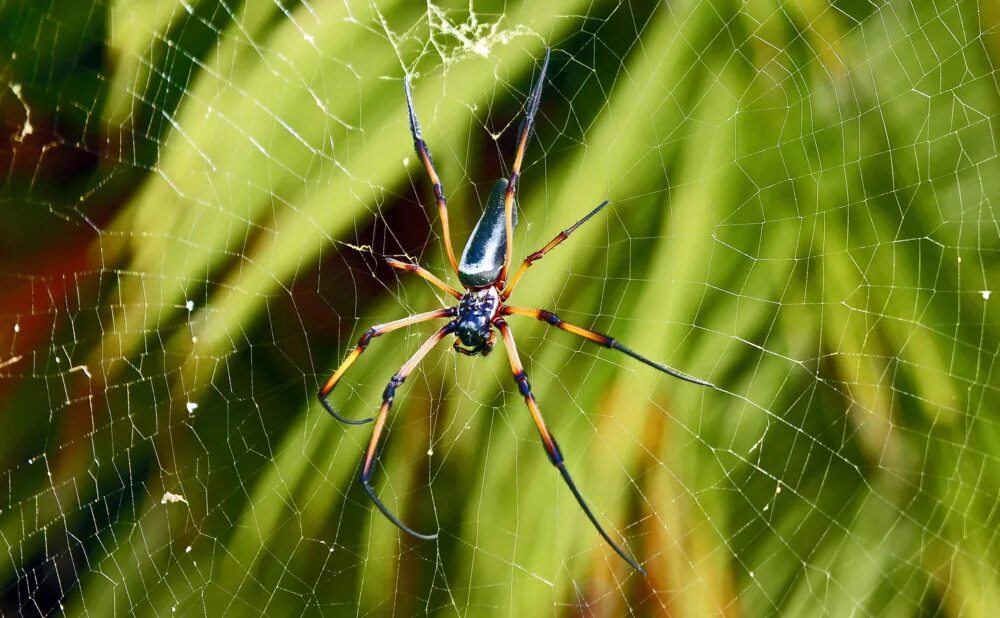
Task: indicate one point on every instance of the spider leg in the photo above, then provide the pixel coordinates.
(366, 338)
(522, 143)
(551, 448)
(550, 318)
(368, 463)
(537, 255)
(425, 156)
(425, 274)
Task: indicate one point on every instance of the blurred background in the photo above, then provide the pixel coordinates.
(198, 198)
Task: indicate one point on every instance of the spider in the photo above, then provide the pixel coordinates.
(481, 307)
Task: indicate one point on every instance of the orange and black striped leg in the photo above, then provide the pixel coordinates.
(424, 153)
(555, 455)
(522, 144)
(425, 274)
(550, 318)
(368, 463)
(537, 255)
(366, 338)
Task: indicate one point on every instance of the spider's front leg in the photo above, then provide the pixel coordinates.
(551, 448)
(371, 333)
(368, 463)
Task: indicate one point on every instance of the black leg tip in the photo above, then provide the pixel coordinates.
(346, 421)
(593, 519)
(692, 379)
(388, 514)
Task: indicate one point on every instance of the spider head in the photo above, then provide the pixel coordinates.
(473, 326)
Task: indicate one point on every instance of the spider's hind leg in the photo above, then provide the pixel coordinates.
(424, 153)
(527, 125)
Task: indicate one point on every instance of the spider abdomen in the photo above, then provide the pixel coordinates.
(483, 257)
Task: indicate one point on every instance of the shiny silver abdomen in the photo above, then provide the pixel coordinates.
(482, 259)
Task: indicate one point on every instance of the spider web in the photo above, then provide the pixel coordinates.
(198, 200)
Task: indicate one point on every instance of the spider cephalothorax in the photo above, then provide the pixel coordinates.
(474, 325)
(481, 308)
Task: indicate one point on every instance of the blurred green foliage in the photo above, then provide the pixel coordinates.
(198, 199)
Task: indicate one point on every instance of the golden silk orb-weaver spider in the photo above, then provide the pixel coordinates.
(481, 308)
